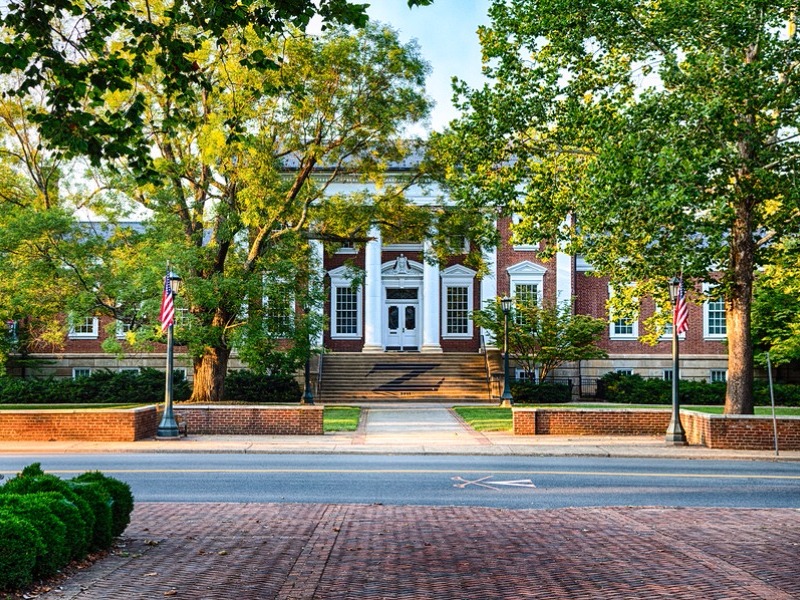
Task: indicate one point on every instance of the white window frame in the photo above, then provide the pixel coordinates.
(77, 335)
(134, 369)
(612, 324)
(458, 276)
(624, 370)
(707, 335)
(713, 375)
(516, 218)
(78, 372)
(347, 249)
(527, 273)
(521, 374)
(341, 278)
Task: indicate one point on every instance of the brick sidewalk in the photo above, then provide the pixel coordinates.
(330, 552)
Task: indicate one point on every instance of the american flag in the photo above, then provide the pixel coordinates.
(167, 315)
(680, 313)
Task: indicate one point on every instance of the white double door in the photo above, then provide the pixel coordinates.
(401, 319)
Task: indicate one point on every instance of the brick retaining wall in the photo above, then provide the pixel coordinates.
(101, 425)
(251, 420)
(740, 432)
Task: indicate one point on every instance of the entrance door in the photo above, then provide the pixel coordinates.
(402, 318)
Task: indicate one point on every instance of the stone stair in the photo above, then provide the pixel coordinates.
(400, 376)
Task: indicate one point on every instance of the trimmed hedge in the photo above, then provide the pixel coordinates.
(104, 386)
(527, 392)
(46, 521)
(246, 386)
(634, 389)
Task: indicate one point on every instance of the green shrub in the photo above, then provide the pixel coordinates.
(246, 386)
(103, 386)
(527, 392)
(54, 553)
(100, 502)
(20, 545)
(31, 484)
(120, 492)
(785, 394)
(77, 533)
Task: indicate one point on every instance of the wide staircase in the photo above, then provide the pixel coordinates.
(397, 377)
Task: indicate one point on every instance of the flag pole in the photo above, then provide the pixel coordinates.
(168, 428)
(675, 434)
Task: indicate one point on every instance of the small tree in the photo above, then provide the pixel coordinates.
(546, 336)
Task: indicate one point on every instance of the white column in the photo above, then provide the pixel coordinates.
(431, 324)
(373, 326)
(489, 287)
(317, 262)
(563, 278)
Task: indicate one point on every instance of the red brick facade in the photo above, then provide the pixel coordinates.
(101, 425)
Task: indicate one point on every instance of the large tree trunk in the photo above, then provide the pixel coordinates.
(209, 375)
(739, 395)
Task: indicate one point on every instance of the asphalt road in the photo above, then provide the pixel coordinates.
(488, 481)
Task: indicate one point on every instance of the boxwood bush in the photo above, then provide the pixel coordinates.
(103, 386)
(46, 521)
(246, 386)
(527, 392)
(634, 389)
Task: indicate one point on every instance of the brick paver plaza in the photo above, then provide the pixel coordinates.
(299, 551)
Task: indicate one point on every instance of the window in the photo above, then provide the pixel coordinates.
(624, 371)
(346, 311)
(86, 327)
(78, 372)
(516, 219)
(622, 328)
(719, 375)
(667, 374)
(347, 248)
(279, 315)
(129, 369)
(523, 375)
(457, 291)
(346, 304)
(714, 326)
(457, 310)
(526, 282)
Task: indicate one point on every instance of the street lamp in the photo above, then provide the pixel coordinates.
(308, 396)
(506, 398)
(168, 428)
(675, 433)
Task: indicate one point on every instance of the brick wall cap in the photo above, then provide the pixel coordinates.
(698, 413)
(245, 407)
(69, 411)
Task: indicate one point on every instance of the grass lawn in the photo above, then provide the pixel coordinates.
(497, 418)
(340, 418)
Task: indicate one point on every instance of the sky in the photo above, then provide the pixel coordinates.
(446, 34)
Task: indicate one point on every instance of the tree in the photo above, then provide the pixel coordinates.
(666, 131)
(248, 178)
(83, 54)
(544, 337)
(776, 308)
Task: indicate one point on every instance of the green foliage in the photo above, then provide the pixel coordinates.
(104, 386)
(18, 552)
(629, 133)
(544, 337)
(528, 392)
(634, 389)
(54, 552)
(100, 502)
(247, 386)
(32, 484)
(122, 498)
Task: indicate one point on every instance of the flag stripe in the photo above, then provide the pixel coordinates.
(167, 315)
(680, 313)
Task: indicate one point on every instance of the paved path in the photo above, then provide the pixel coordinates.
(329, 552)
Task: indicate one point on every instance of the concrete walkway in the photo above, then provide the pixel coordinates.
(409, 429)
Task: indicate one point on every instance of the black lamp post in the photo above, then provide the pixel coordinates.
(308, 396)
(168, 428)
(675, 433)
(506, 398)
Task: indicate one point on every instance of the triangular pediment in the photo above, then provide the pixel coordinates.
(526, 267)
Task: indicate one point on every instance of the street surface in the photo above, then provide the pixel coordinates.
(489, 481)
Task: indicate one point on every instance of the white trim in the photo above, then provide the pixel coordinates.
(457, 276)
(340, 278)
(407, 247)
(93, 335)
(75, 370)
(706, 334)
(612, 322)
(527, 273)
